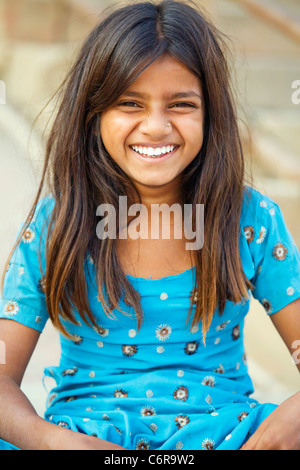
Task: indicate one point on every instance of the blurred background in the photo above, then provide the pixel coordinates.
(38, 42)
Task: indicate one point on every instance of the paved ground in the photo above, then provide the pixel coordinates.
(274, 375)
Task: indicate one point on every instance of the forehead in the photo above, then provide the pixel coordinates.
(168, 76)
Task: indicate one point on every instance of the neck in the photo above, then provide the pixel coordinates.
(167, 194)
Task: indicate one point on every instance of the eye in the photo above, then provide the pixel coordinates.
(183, 104)
(128, 104)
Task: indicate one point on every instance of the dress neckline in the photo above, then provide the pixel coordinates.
(166, 278)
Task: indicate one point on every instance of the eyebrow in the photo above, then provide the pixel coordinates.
(181, 94)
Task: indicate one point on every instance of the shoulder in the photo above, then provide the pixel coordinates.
(38, 225)
(44, 207)
(42, 213)
(260, 217)
(257, 205)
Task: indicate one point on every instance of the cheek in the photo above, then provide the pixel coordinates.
(114, 130)
(194, 134)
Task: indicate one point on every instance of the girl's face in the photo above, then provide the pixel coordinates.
(155, 129)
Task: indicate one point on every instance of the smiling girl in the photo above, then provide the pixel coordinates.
(151, 333)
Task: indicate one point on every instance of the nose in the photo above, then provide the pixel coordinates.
(156, 125)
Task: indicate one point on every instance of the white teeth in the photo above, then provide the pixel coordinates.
(153, 152)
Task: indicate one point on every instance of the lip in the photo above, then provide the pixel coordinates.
(155, 146)
(158, 159)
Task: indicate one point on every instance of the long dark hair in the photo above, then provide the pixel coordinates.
(81, 174)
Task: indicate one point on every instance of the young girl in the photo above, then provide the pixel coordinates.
(151, 332)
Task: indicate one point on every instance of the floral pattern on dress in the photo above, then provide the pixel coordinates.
(181, 421)
(191, 348)
(106, 396)
(129, 350)
(148, 411)
(262, 235)
(249, 233)
(142, 444)
(279, 252)
(208, 444)
(101, 331)
(236, 332)
(193, 296)
(242, 416)
(181, 393)
(267, 305)
(163, 332)
(28, 235)
(209, 381)
(120, 393)
(11, 308)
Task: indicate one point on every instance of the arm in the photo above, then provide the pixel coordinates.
(281, 429)
(16, 412)
(287, 323)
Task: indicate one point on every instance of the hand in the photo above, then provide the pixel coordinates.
(65, 439)
(280, 430)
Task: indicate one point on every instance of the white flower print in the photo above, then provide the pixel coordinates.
(249, 233)
(235, 332)
(42, 284)
(71, 372)
(194, 296)
(267, 305)
(279, 252)
(11, 307)
(63, 424)
(208, 444)
(220, 369)
(222, 326)
(148, 411)
(28, 235)
(209, 380)
(191, 348)
(262, 235)
(129, 349)
(119, 393)
(101, 331)
(142, 444)
(163, 332)
(181, 421)
(181, 393)
(242, 416)
(77, 339)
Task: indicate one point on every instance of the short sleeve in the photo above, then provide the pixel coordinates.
(23, 298)
(275, 256)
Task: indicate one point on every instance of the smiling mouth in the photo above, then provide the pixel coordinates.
(153, 152)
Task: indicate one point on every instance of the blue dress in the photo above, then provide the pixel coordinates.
(160, 388)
